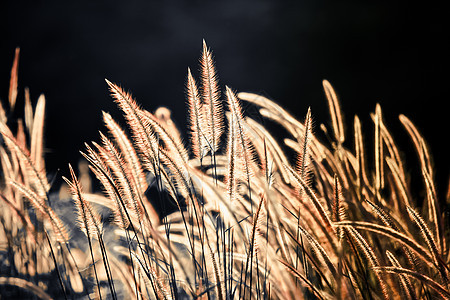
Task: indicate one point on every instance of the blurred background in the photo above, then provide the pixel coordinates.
(390, 52)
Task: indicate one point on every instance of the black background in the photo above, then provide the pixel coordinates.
(388, 52)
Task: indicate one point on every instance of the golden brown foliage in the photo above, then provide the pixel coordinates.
(248, 223)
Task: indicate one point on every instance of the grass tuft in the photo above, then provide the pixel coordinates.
(213, 220)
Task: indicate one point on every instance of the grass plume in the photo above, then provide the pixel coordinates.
(213, 221)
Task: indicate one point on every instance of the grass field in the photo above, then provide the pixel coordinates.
(223, 213)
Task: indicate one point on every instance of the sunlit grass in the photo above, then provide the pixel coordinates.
(250, 222)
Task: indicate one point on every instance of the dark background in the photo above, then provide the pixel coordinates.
(388, 52)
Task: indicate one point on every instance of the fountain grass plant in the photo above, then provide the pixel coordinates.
(249, 223)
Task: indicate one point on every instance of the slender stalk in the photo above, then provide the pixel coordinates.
(60, 279)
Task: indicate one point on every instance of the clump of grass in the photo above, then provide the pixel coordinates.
(250, 222)
(35, 250)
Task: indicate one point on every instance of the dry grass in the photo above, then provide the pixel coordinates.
(250, 222)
